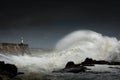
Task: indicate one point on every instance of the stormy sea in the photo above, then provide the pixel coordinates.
(76, 47)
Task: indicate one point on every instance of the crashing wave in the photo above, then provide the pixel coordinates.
(76, 46)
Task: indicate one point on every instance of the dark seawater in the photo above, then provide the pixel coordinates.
(98, 72)
(71, 76)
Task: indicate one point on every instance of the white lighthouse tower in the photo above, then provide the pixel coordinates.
(22, 40)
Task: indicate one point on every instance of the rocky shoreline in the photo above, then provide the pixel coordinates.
(10, 71)
(76, 68)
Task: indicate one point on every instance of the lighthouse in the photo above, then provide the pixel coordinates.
(22, 40)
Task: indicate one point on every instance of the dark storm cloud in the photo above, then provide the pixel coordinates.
(43, 23)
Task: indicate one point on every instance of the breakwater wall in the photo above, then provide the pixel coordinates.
(14, 48)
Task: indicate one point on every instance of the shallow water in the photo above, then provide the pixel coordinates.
(97, 72)
(71, 76)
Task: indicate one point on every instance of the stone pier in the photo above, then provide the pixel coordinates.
(14, 48)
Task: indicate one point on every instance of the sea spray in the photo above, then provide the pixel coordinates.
(76, 46)
(86, 43)
(114, 54)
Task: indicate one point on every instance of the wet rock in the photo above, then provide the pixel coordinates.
(82, 67)
(7, 70)
(114, 63)
(101, 62)
(88, 62)
(71, 64)
(91, 62)
(73, 68)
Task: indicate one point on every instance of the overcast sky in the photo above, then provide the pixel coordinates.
(43, 23)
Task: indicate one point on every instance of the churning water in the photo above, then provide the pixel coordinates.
(76, 46)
